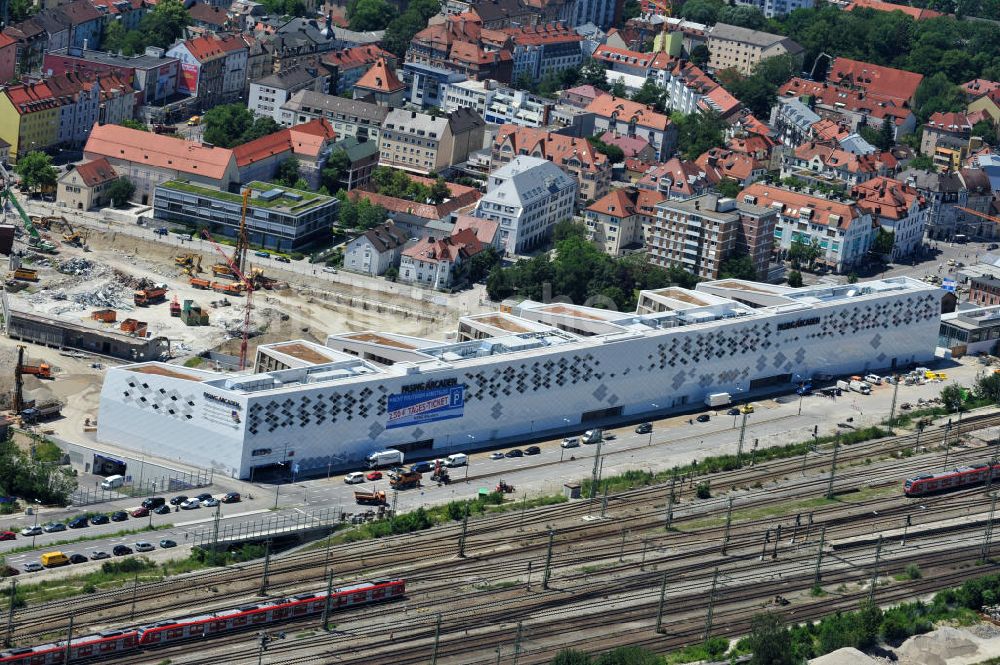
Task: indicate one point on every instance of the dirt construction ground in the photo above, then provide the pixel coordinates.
(107, 275)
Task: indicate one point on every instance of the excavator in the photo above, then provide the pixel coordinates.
(190, 264)
(35, 240)
(71, 236)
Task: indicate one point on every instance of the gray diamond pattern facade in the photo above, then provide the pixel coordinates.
(514, 394)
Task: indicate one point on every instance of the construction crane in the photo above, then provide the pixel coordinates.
(979, 214)
(247, 284)
(239, 258)
(7, 192)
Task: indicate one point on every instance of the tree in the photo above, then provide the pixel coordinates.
(165, 23)
(738, 267)
(886, 134)
(402, 28)
(631, 10)
(618, 88)
(439, 191)
(482, 264)
(20, 10)
(869, 620)
(794, 279)
(743, 15)
(571, 657)
(697, 132)
(801, 252)
(134, 124)
(651, 94)
(370, 214)
(628, 656)
(337, 165)
(729, 188)
(226, 124)
(702, 11)
(937, 94)
(36, 171)
(700, 55)
(287, 172)
(594, 72)
(952, 396)
(922, 162)
(369, 14)
(32, 479)
(769, 641)
(262, 126)
(392, 273)
(567, 228)
(985, 130)
(120, 191)
(988, 387)
(884, 240)
(615, 154)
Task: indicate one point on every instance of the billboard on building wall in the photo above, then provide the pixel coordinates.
(189, 79)
(425, 406)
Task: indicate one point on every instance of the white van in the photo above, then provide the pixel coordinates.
(458, 459)
(112, 482)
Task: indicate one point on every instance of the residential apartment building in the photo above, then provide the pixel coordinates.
(362, 158)
(29, 118)
(619, 221)
(775, 8)
(434, 263)
(946, 193)
(855, 107)
(269, 93)
(349, 117)
(677, 179)
(347, 66)
(602, 13)
(376, 250)
(86, 186)
(735, 47)
(426, 84)
(8, 57)
(898, 209)
(575, 156)
(277, 218)
(627, 118)
(148, 159)
(381, 86)
(456, 44)
(699, 234)
(841, 229)
(527, 197)
(420, 143)
(540, 50)
(213, 68)
(820, 164)
(309, 144)
(793, 121)
(898, 85)
(946, 135)
(31, 41)
(153, 74)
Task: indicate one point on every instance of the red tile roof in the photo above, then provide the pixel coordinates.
(306, 139)
(463, 243)
(887, 198)
(841, 97)
(557, 148)
(793, 202)
(614, 55)
(841, 160)
(159, 150)
(686, 178)
(626, 202)
(630, 145)
(31, 98)
(548, 33)
(6, 40)
(213, 46)
(886, 81)
(829, 130)
(916, 13)
(728, 164)
(381, 78)
(80, 12)
(949, 122)
(976, 88)
(357, 56)
(206, 13)
(720, 101)
(96, 172)
(626, 109)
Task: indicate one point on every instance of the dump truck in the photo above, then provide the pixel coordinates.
(229, 288)
(199, 283)
(145, 297)
(40, 412)
(404, 480)
(366, 498)
(41, 370)
(26, 274)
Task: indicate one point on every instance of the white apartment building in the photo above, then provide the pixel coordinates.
(499, 105)
(772, 8)
(527, 197)
(475, 95)
(269, 93)
(899, 209)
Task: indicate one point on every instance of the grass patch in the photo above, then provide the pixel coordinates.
(112, 574)
(194, 361)
(866, 493)
(308, 198)
(82, 539)
(760, 513)
(714, 648)
(597, 567)
(496, 586)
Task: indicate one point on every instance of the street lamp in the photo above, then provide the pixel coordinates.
(801, 390)
(655, 406)
(467, 463)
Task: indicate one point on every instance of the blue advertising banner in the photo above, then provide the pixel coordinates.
(425, 406)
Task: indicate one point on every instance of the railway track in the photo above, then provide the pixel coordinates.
(396, 553)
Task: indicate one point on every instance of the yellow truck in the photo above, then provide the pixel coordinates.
(53, 559)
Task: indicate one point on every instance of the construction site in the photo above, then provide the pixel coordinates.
(81, 295)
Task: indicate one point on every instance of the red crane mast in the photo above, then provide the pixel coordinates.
(248, 285)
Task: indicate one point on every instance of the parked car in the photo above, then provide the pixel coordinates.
(97, 555)
(282, 259)
(733, 412)
(532, 450)
(32, 531)
(330, 270)
(496, 455)
(121, 550)
(210, 502)
(422, 467)
(204, 496)
(153, 502)
(231, 497)
(571, 442)
(143, 546)
(79, 522)
(191, 504)
(162, 510)
(262, 254)
(374, 475)
(703, 418)
(166, 543)
(746, 408)
(644, 428)
(874, 379)
(139, 512)
(78, 558)
(354, 477)
(100, 519)
(178, 500)
(33, 567)
(52, 527)
(517, 452)
(119, 516)
(8, 535)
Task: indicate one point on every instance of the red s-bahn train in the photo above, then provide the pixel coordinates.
(964, 476)
(246, 617)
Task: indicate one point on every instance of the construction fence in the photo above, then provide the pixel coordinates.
(178, 481)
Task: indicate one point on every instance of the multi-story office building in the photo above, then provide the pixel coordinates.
(278, 218)
(773, 8)
(527, 197)
(421, 143)
(542, 369)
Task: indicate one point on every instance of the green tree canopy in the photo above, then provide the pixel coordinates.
(651, 94)
(594, 73)
(335, 169)
(937, 94)
(769, 641)
(229, 125)
(697, 132)
(36, 171)
(120, 191)
(794, 279)
(738, 267)
(571, 657)
(287, 173)
(742, 15)
(702, 11)
(370, 14)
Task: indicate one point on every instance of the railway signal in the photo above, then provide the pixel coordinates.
(878, 555)
(833, 466)
(988, 536)
(548, 561)
(729, 522)
(659, 609)
(819, 556)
